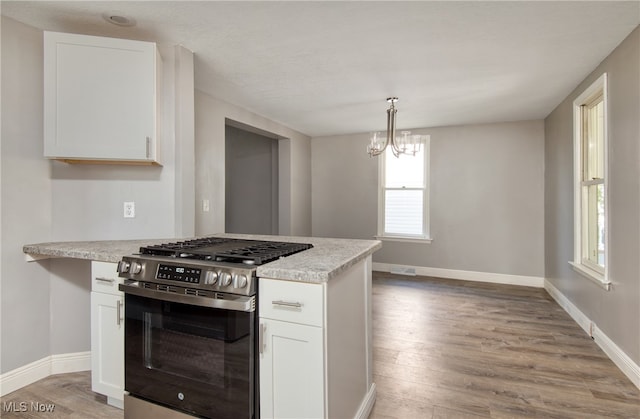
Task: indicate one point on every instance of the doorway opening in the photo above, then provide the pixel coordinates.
(251, 180)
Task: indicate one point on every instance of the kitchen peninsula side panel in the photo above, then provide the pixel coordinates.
(333, 372)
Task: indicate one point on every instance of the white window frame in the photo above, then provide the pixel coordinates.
(424, 237)
(595, 273)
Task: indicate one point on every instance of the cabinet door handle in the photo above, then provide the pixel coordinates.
(148, 146)
(287, 304)
(118, 312)
(109, 280)
(261, 343)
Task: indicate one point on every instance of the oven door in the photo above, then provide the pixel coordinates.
(192, 358)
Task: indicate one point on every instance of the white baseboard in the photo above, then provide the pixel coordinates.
(37, 370)
(613, 351)
(583, 321)
(367, 403)
(527, 281)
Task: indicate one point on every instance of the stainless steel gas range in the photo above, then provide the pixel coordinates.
(190, 327)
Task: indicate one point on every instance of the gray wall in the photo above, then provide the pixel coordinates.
(294, 157)
(615, 312)
(45, 304)
(251, 182)
(88, 199)
(70, 311)
(486, 198)
(26, 200)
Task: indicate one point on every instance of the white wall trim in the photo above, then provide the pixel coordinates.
(367, 403)
(613, 351)
(527, 281)
(70, 362)
(37, 370)
(583, 321)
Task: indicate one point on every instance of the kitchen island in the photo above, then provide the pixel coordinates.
(328, 258)
(315, 360)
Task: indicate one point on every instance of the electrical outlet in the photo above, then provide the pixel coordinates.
(205, 205)
(129, 210)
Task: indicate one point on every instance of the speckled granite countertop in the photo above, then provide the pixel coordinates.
(328, 257)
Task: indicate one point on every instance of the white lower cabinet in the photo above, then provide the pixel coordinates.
(315, 346)
(291, 370)
(107, 333)
(292, 355)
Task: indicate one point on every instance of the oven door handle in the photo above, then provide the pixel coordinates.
(232, 302)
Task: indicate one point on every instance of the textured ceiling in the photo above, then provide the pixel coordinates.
(326, 67)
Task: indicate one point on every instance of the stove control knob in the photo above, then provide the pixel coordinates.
(210, 278)
(239, 281)
(135, 268)
(225, 278)
(123, 266)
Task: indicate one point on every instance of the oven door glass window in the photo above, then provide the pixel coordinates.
(195, 359)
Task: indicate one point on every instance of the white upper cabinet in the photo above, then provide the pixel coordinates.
(101, 98)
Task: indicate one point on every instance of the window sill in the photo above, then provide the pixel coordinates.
(592, 275)
(405, 239)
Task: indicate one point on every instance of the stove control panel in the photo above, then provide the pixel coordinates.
(178, 273)
(197, 275)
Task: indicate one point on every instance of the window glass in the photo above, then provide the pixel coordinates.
(403, 212)
(593, 180)
(595, 224)
(405, 171)
(594, 139)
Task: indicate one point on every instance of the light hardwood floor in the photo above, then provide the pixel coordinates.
(456, 349)
(69, 394)
(444, 349)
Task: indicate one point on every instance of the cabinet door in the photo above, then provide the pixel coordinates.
(291, 370)
(100, 98)
(107, 344)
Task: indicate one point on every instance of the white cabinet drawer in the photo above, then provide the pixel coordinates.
(296, 302)
(104, 277)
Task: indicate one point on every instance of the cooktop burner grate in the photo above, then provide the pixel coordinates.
(222, 249)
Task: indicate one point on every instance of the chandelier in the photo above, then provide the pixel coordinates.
(405, 144)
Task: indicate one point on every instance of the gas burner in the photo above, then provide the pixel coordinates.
(222, 249)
